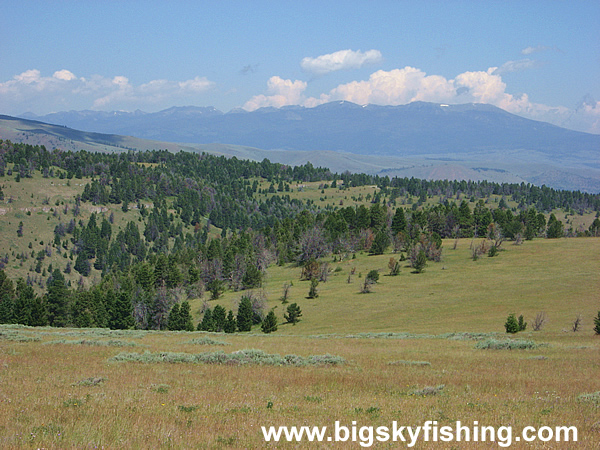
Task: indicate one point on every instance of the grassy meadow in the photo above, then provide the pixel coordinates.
(407, 352)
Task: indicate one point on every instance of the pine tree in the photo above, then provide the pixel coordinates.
(186, 320)
(7, 296)
(293, 314)
(245, 314)
(522, 323)
(270, 323)
(230, 323)
(174, 321)
(57, 299)
(380, 243)
(419, 262)
(82, 265)
(207, 323)
(219, 317)
(597, 324)
(398, 221)
(511, 325)
(121, 317)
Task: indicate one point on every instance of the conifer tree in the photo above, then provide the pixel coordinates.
(121, 317)
(597, 323)
(245, 314)
(57, 299)
(270, 323)
(219, 316)
(186, 319)
(230, 323)
(293, 314)
(7, 296)
(511, 325)
(398, 221)
(174, 320)
(207, 323)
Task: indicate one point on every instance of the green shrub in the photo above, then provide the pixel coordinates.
(313, 292)
(511, 325)
(508, 344)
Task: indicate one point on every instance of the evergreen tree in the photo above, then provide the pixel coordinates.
(420, 261)
(29, 309)
(219, 317)
(207, 323)
(57, 299)
(121, 317)
(230, 323)
(511, 325)
(82, 265)
(398, 221)
(7, 297)
(252, 277)
(245, 314)
(293, 314)
(555, 228)
(313, 292)
(522, 323)
(270, 323)
(174, 321)
(186, 320)
(380, 243)
(597, 323)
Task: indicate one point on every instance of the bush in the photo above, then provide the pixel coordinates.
(512, 325)
(312, 292)
(507, 344)
(419, 261)
(394, 267)
(373, 276)
(522, 323)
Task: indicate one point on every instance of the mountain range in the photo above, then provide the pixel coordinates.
(425, 140)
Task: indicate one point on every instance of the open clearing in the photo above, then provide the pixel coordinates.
(409, 349)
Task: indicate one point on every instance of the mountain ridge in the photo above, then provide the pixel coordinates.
(430, 141)
(415, 129)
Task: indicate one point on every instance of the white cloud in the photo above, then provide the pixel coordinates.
(396, 87)
(280, 93)
(402, 86)
(341, 60)
(64, 75)
(539, 48)
(30, 91)
(516, 66)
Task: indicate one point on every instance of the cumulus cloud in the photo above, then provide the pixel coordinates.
(341, 60)
(409, 84)
(280, 93)
(31, 91)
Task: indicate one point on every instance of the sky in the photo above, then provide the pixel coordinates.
(537, 59)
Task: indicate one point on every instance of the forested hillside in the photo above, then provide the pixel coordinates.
(125, 240)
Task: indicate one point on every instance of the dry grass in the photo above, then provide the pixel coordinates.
(78, 396)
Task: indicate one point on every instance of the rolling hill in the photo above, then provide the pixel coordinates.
(423, 140)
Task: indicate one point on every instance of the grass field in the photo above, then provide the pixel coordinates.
(409, 350)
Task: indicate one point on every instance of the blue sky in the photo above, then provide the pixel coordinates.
(538, 59)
